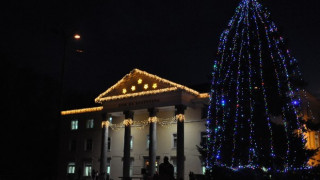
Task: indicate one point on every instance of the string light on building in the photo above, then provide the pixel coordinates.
(180, 117)
(105, 124)
(170, 86)
(127, 122)
(79, 111)
(154, 86)
(153, 119)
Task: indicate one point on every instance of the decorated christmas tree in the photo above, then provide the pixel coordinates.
(255, 116)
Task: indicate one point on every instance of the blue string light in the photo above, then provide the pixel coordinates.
(240, 86)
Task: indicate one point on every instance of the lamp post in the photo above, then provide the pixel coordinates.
(66, 38)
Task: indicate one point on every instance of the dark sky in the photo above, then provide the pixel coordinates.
(176, 40)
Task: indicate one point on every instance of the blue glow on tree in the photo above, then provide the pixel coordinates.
(255, 115)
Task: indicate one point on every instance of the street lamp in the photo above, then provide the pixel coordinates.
(66, 37)
(76, 36)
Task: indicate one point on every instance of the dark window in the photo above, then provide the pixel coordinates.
(174, 139)
(73, 145)
(88, 145)
(204, 112)
(90, 124)
(109, 143)
(203, 141)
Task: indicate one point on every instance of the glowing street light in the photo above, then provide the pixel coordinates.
(77, 36)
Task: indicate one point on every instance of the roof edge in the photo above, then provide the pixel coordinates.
(100, 97)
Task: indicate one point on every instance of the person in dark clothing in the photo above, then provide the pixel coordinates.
(166, 170)
(93, 174)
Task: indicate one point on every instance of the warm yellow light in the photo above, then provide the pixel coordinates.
(84, 110)
(77, 36)
(124, 91)
(146, 86)
(174, 87)
(180, 117)
(133, 88)
(127, 122)
(153, 119)
(154, 85)
(139, 81)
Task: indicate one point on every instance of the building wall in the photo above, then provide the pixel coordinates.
(79, 156)
(313, 143)
(194, 125)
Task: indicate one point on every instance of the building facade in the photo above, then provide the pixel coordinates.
(142, 119)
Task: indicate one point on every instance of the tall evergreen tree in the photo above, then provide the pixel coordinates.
(255, 116)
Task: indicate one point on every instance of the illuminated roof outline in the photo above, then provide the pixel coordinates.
(84, 110)
(116, 92)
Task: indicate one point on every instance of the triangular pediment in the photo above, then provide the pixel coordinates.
(140, 83)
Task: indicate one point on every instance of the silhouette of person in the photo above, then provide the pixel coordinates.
(93, 174)
(166, 170)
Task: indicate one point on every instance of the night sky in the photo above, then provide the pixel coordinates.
(176, 40)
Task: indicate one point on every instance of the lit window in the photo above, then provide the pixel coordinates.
(139, 81)
(71, 168)
(88, 145)
(74, 124)
(203, 167)
(108, 166)
(133, 88)
(174, 140)
(131, 142)
(73, 145)
(124, 91)
(87, 169)
(146, 86)
(90, 123)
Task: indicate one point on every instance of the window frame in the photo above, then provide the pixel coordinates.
(90, 124)
(203, 135)
(73, 145)
(85, 166)
(73, 166)
(74, 125)
(174, 140)
(86, 145)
